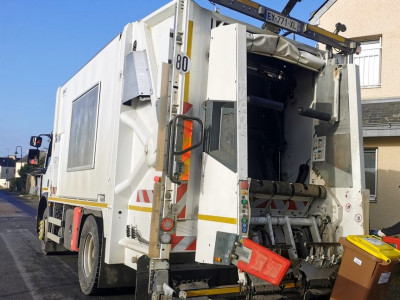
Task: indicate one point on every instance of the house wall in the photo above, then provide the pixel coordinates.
(386, 211)
(372, 18)
(6, 173)
(18, 166)
(4, 183)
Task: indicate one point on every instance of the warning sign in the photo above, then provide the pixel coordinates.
(319, 148)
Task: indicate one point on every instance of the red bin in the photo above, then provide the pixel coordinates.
(264, 263)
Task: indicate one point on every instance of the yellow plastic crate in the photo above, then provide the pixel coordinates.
(374, 246)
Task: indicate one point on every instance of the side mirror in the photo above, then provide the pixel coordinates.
(33, 157)
(36, 141)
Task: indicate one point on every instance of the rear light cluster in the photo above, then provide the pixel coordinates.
(167, 224)
(244, 206)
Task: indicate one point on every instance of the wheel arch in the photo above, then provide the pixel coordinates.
(86, 213)
(109, 275)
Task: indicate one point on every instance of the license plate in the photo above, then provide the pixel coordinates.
(281, 20)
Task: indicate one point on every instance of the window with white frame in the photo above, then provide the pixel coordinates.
(371, 172)
(82, 141)
(369, 61)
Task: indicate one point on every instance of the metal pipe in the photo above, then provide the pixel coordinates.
(270, 230)
(287, 189)
(312, 113)
(266, 103)
(282, 221)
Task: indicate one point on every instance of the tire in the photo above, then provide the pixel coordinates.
(89, 257)
(45, 244)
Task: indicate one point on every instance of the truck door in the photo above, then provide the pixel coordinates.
(337, 158)
(224, 161)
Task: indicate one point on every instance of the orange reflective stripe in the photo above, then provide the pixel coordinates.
(188, 125)
(187, 138)
(187, 142)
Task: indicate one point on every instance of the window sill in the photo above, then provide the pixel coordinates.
(371, 87)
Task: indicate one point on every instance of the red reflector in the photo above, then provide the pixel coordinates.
(157, 179)
(76, 222)
(244, 185)
(167, 224)
(264, 263)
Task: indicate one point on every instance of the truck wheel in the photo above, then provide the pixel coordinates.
(89, 256)
(43, 225)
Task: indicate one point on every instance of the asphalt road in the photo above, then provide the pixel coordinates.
(24, 271)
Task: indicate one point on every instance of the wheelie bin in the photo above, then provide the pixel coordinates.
(366, 268)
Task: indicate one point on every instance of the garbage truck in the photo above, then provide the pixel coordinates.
(197, 155)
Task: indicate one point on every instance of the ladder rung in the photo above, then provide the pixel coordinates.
(53, 237)
(55, 221)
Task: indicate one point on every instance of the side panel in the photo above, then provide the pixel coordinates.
(140, 144)
(102, 70)
(337, 157)
(357, 147)
(218, 204)
(198, 39)
(135, 150)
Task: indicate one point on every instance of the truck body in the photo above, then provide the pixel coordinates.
(193, 141)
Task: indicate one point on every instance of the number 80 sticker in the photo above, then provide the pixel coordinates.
(183, 63)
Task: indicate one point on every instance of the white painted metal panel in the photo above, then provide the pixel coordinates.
(357, 152)
(222, 76)
(227, 81)
(346, 202)
(218, 206)
(103, 68)
(136, 149)
(241, 73)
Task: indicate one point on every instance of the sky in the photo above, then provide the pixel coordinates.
(45, 42)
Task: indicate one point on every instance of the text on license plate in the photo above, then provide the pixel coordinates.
(281, 20)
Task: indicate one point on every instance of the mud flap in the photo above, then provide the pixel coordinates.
(115, 275)
(142, 279)
(250, 257)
